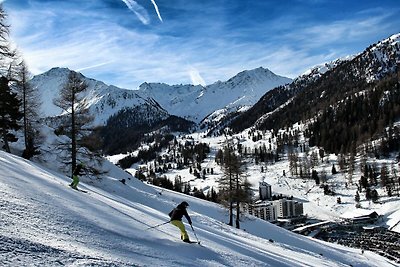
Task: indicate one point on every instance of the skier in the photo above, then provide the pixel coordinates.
(75, 175)
(176, 219)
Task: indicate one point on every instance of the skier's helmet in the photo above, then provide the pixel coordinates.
(185, 204)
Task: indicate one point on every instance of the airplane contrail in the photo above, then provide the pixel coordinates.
(156, 8)
(95, 66)
(140, 12)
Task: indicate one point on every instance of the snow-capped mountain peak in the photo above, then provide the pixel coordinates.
(380, 58)
(195, 102)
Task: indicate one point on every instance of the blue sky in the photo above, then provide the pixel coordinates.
(127, 42)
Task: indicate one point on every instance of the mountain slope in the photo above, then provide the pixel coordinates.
(281, 94)
(350, 79)
(46, 223)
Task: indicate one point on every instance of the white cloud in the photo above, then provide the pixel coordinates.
(140, 12)
(108, 52)
(340, 31)
(196, 77)
(156, 8)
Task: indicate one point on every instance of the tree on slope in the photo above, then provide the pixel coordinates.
(233, 189)
(6, 53)
(30, 109)
(9, 103)
(243, 194)
(15, 77)
(226, 183)
(9, 113)
(77, 117)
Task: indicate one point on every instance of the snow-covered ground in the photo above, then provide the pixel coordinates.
(46, 223)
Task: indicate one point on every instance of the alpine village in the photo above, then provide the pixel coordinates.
(273, 171)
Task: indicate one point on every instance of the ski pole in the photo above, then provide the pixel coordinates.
(158, 225)
(198, 241)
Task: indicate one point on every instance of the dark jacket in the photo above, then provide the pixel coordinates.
(178, 213)
(78, 170)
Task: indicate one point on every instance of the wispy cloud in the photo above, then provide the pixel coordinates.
(196, 77)
(342, 30)
(156, 8)
(203, 41)
(140, 11)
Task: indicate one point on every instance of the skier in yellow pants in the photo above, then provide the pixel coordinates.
(75, 175)
(176, 219)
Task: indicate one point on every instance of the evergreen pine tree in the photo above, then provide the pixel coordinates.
(357, 197)
(374, 195)
(178, 183)
(9, 113)
(333, 169)
(315, 177)
(9, 103)
(384, 175)
(364, 182)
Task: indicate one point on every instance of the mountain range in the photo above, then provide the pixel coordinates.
(190, 102)
(255, 97)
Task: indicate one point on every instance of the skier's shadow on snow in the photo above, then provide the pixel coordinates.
(194, 251)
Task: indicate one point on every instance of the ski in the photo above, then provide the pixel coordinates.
(192, 242)
(77, 189)
(80, 190)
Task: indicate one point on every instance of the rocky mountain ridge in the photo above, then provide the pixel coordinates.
(322, 86)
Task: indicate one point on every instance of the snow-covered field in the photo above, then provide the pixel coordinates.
(46, 223)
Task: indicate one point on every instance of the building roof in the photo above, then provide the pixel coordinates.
(311, 226)
(359, 213)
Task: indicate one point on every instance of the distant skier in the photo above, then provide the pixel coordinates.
(176, 219)
(75, 175)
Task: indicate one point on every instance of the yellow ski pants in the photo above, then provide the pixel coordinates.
(75, 181)
(179, 224)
